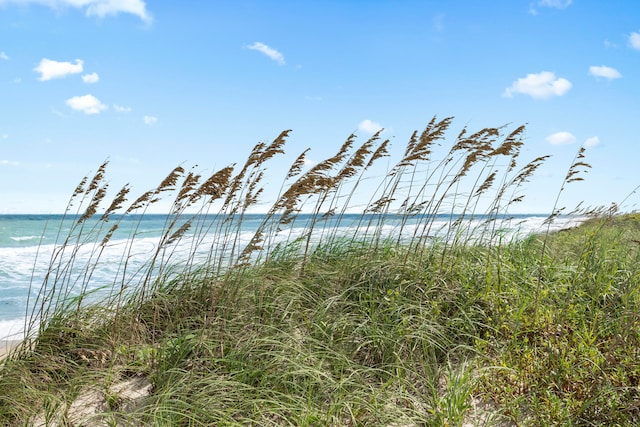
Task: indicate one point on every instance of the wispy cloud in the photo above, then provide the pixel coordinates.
(561, 138)
(554, 4)
(91, 78)
(605, 72)
(634, 40)
(369, 126)
(50, 69)
(99, 8)
(150, 120)
(540, 86)
(592, 142)
(88, 104)
(5, 162)
(59, 113)
(269, 51)
(609, 44)
(437, 23)
(121, 109)
(4, 56)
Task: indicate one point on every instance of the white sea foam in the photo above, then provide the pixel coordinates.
(23, 238)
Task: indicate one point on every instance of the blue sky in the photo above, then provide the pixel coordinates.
(153, 84)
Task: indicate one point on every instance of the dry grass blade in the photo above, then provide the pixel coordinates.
(487, 183)
(97, 178)
(93, 205)
(421, 149)
(109, 234)
(187, 188)
(169, 182)
(140, 201)
(117, 202)
(216, 185)
(511, 143)
(80, 188)
(297, 165)
(178, 233)
(381, 151)
(275, 147)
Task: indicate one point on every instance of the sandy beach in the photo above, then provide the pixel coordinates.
(7, 346)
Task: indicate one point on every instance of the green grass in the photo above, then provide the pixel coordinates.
(544, 330)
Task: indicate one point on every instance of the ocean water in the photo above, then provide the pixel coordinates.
(31, 244)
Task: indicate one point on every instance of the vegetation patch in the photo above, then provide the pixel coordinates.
(305, 324)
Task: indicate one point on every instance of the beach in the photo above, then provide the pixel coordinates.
(7, 346)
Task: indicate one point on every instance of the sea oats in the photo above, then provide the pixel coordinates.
(216, 185)
(140, 201)
(93, 205)
(380, 152)
(117, 202)
(95, 181)
(574, 170)
(109, 234)
(178, 233)
(413, 140)
(511, 143)
(487, 183)
(275, 147)
(80, 188)
(378, 205)
(188, 185)
(357, 160)
(170, 181)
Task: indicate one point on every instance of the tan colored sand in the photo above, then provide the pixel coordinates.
(7, 346)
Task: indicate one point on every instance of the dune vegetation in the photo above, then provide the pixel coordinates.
(425, 325)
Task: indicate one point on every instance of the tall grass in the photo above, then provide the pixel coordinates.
(302, 323)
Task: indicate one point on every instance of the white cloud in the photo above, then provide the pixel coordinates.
(609, 44)
(102, 8)
(91, 78)
(5, 136)
(561, 138)
(150, 120)
(270, 52)
(555, 4)
(634, 40)
(604, 71)
(9, 163)
(369, 126)
(542, 85)
(592, 142)
(88, 104)
(121, 109)
(4, 56)
(99, 8)
(50, 69)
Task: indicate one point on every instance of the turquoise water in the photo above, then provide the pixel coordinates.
(28, 245)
